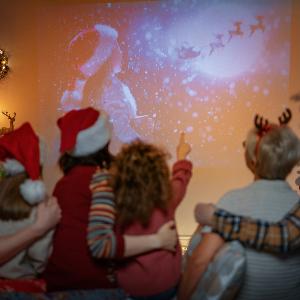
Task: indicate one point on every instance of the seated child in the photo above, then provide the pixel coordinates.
(21, 190)
(146, 197)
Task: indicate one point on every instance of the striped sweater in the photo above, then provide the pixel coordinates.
(101, 237)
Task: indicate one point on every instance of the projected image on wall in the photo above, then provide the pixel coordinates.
(161, 67)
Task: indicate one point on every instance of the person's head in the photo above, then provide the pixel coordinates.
(296, 97)
(141, 182)
(272, 152)
(85, 136)
(21, 158)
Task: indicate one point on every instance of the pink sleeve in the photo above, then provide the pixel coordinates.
(181, 175)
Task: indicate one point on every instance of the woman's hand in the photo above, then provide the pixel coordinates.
(48, 215)
(167, 236)
(204, 213)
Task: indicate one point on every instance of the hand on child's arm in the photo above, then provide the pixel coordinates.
(48, 215)
(167, 236)
(204, 213)
(183, 148)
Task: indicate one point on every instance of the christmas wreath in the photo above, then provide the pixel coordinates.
(3, 63)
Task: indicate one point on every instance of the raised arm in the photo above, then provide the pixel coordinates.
(280, 237)
(48, 215)
(181, 171)
(104, 242)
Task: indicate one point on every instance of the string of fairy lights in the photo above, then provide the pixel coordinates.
(3, 63)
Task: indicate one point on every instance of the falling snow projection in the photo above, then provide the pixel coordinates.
(204, 67)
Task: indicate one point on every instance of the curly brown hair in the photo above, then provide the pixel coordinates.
(141, 182)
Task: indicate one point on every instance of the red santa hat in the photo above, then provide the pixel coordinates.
(90, 48)
(83, 131)
(20, 152)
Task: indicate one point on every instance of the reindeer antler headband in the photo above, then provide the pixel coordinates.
(263, 127)
(285, 117)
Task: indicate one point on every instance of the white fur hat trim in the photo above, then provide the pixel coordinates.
(12, 166)
(33, 191)
(92, 139)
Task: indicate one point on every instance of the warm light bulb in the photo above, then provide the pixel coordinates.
(4, 64)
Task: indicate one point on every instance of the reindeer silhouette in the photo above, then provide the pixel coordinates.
(237, 31)
(259, 25)
(216, 44)
(11, 119)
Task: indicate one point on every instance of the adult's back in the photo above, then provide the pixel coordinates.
(71, 265)
(268, 276)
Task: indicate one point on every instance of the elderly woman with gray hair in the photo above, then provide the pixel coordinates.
(277, 237)
(271, 152)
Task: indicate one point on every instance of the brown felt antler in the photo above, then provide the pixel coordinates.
(260, 123)
(285, 117)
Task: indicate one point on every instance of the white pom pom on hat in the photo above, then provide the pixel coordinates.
(101, 44)
(33, 190)
(19, 152)
(83, 131)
